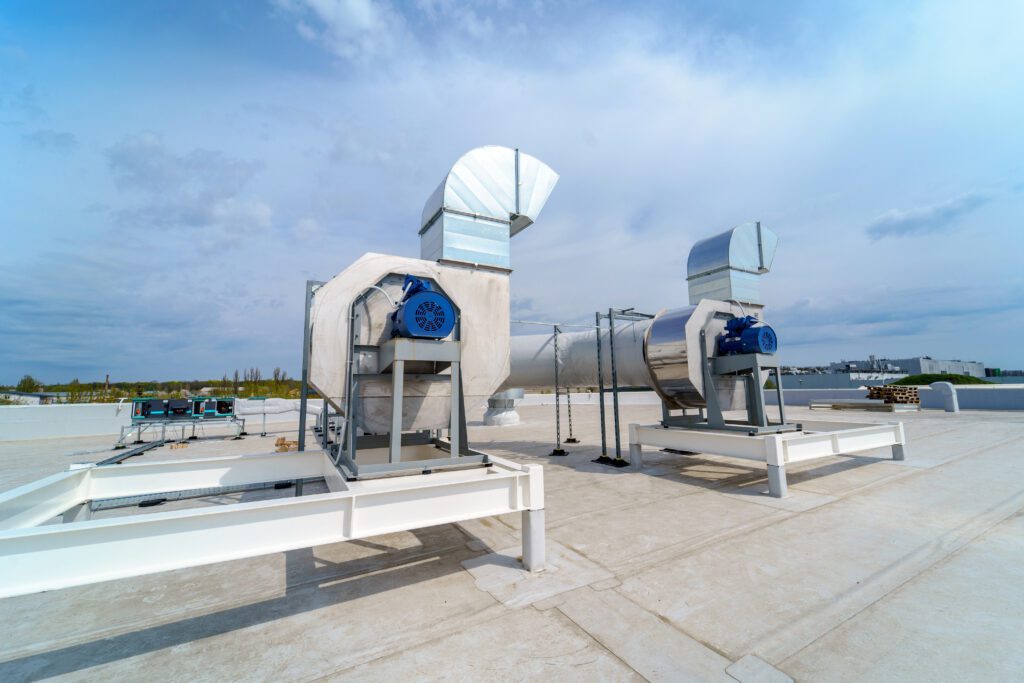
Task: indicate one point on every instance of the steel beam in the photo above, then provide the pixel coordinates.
(81, 552)
(775, 450)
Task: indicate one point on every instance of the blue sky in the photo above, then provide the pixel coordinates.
(172, 172)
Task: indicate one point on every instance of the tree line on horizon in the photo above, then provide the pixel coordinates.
(248, 382)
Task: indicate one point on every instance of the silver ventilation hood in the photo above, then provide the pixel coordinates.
(727, 267)
(489, 195)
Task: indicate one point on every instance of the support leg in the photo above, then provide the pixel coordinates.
(397, 379)
(898, 452)
(533, 540)
(455, 427)
(636, 456)
(777, 481)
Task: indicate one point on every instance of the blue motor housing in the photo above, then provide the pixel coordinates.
(423, 313)
(747, 335)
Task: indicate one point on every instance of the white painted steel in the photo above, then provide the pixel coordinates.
(59, 556)
(775, 450)
(42, 500)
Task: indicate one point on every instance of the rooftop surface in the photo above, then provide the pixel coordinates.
(870, 570)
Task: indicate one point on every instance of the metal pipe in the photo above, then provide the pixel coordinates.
(615, 383)
(600, 385)
(558, 408)
(311, 286)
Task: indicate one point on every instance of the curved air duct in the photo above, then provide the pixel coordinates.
(491, 194)
(723, 274)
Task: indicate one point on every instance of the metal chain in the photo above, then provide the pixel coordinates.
(558, 407)
(568, 407)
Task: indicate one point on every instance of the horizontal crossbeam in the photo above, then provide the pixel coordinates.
(56, 556)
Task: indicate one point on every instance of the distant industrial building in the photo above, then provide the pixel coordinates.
(875, 371)
(32, 398)
(921, 365)
(839, 380)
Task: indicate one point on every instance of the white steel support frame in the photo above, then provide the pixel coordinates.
(81, 551)
(775, 450)
(236, 423)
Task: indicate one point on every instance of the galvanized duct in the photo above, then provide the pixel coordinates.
(727, 267)
(489, 195)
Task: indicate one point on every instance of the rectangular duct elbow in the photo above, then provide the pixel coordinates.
(727, 267)
(489, 195)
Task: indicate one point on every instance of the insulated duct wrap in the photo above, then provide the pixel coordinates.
(662, 354)
(533, 358)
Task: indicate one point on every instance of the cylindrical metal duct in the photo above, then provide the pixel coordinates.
(662, 354)
(533, 358)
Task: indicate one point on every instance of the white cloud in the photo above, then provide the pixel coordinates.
(925, 220)
(308, 230)
(356, 30)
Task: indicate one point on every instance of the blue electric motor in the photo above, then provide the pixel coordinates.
(423, 313)
(747, 335)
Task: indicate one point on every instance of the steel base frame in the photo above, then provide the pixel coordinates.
(775, 450)
(139, 428)
(82, 550)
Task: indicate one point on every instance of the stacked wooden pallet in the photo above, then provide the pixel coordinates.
(284, 445)
(895, 394)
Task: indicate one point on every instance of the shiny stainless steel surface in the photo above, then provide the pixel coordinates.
(668, 358)
(489, 195)
(729, 265)
(659, 353)
(672, 352)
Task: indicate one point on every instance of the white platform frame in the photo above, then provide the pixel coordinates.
(36, 558)
(817, 440)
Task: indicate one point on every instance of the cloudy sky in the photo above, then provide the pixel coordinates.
(172, 172)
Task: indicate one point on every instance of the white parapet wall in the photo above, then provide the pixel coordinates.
(54, 421)
(971, 397)
(19, 423)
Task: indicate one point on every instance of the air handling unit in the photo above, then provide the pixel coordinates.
(399, 349)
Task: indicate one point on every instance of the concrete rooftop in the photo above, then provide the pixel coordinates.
(870, 570)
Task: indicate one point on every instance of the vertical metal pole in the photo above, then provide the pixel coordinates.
(304, 383)
(600, 386)
(615, 384)
(778, 391)
(350, 421)
(714, 411)
(558, 408)
(518, 182)
(397, 381)
(463, 430)
(326, 424)
(454, 428)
